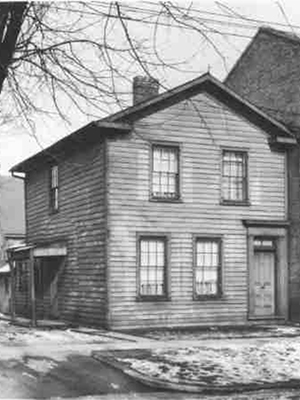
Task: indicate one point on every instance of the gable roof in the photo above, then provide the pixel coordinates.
(289, 37)
(12, 207)
(121, 121)
(205, 83)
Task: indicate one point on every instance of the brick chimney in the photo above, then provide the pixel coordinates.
(144, 87)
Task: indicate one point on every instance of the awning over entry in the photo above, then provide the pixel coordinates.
(44, 250)
(54, 250)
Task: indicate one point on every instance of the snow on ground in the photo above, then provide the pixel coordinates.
(255, 363)
(12, 335)
(223, 332)
(41, 366)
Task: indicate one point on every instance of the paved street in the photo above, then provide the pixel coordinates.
(41, 377)
(39, 364)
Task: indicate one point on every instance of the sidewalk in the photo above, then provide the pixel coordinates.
(261, 395)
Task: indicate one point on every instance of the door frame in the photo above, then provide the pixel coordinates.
(278, 233)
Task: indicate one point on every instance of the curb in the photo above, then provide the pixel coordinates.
(109, 358)
(106, 333)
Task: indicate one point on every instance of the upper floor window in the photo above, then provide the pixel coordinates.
(54, 188)
(165, 172)
(208, 267)
(152, 267)
(234, 176)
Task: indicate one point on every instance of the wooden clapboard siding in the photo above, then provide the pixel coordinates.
(81, 222)
(202, 127)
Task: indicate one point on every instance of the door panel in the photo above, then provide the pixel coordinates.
(264, 283)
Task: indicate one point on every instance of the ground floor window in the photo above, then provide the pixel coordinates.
(207, 274)
(152, 267)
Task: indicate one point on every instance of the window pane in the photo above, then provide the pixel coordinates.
(164, 183)
(156, 159)
(56, 198)
(143, 275)
(144, 259)
(261, 242)
(234, 176)
(207, 266)
(160, 276)
(54, 188)
(173, 162)
(152, 276)
(172, 184)
(152, 266)
(54, 176)
(160, 254)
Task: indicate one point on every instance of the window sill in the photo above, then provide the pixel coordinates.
(266, 317)
(149, 299)
(53, 212)
(165, 200)
(208, 297)
(244, 203)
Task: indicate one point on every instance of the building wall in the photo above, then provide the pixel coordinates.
(202, 127)
(81, 222)
(268, 76)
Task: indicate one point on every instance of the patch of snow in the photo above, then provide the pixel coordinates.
(17, 335)
(262, 362)
(114, 385)
(219, 333)
(41, 366)
(161, 370)
(29, 375)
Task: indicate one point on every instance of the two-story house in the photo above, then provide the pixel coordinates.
(172, 212)
(267, 74)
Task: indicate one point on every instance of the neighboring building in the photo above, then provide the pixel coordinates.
(172, 212)
(12, 212)
(12, 229)
(267, 74)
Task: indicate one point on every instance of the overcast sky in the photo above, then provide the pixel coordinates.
(17, 143)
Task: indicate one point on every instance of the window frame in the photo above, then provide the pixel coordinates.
(219, 294)
(52, 190)
(172, 145)
(245, 201)
(152, 236)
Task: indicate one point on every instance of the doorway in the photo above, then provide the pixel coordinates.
(46, 273)
(264, 277)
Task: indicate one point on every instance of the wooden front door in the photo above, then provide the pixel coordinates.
(263, 290)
